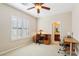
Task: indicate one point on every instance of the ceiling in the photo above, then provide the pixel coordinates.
(56, 8)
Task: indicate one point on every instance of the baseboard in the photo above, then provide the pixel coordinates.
(9, 50)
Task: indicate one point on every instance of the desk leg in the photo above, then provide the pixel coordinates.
(70, 49)
(75, 49)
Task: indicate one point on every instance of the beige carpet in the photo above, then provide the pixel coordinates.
(36, 50)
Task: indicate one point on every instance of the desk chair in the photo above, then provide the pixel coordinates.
(64, 47)
(40, 39)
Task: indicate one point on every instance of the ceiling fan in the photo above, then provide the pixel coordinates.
(38, 7)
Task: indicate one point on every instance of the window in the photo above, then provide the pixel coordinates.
(19, 28)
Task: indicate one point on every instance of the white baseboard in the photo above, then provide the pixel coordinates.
(9, 50)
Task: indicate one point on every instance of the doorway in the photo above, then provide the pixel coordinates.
(56, 31)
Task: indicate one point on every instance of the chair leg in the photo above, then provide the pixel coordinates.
(58, 52)
(65, 54)
(62, 50)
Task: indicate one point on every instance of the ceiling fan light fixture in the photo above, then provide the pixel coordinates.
(38, 7)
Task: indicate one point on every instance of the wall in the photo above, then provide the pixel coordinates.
(5, 17)
(45, 23)
(75, 21)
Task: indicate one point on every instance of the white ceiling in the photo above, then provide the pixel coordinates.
(56, 8)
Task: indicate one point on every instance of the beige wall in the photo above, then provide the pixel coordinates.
(75, 21)
(5, 17)
(45, 23)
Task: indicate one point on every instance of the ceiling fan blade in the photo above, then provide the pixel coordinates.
(45, 7)
(38, 11)
(41, 3)
(30, 8)
(38, 3)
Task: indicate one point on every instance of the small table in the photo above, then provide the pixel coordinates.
(71, 41)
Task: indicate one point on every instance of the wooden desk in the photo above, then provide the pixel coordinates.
(45, 40)
(71, 41)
